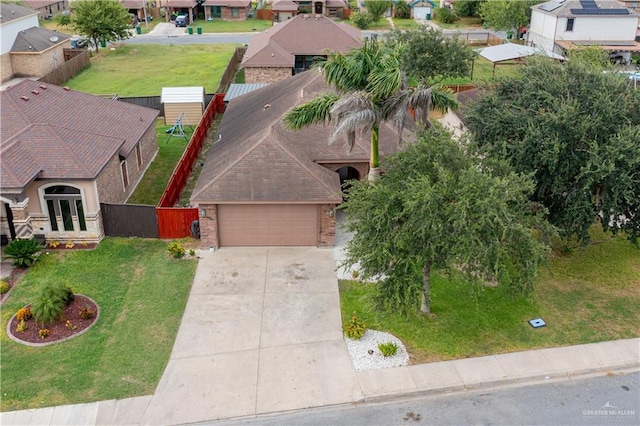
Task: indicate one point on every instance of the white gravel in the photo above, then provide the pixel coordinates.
(363, 360)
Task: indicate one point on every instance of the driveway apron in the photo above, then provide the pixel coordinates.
(261, 333)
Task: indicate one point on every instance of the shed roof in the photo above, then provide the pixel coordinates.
(182, 95)
(284, 6)
(511, 51)
(301, 35)
(236, 90)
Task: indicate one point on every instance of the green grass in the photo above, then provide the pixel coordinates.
(155, 180)
(483, 72)
(141, 294)
(467, 22)
(382, 24)
(589, 296)
(220, 26)
(405, 24)
(144, 69)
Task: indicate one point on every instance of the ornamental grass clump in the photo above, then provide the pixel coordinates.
(50, 303)
(23, 252)
(356, 328)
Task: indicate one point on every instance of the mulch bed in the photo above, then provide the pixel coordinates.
(58, 331)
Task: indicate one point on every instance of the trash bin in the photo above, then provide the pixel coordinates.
(199, 30)
(509, 35)
(138, 29)
(103, 43)
(428, 16)
(190, 30)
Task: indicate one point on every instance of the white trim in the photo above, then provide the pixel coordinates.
(45, 209)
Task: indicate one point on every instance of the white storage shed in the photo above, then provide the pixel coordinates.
(185, 102)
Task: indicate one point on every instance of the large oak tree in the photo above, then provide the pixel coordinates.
(436, 208)
(576, 130)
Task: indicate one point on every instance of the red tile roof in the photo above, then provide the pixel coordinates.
(59, 133)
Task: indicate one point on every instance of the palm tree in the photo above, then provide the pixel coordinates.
(371, 88)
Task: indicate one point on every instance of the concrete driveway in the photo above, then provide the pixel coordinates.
(165, 29)
(261, 333)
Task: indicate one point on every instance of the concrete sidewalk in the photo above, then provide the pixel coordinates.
(261, 334)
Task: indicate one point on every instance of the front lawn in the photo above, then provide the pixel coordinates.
(405, 24)
(144, 69)
(155, 180)
(588, 296)
(141, 293)
(466, 22)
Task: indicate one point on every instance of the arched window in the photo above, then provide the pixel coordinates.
(64, 204)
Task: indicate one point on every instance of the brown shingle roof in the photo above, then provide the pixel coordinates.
(257, 159)
(60, 133)
(301, 35)
(284, 6)
(12, 12)
(37, 39)
(228, 3)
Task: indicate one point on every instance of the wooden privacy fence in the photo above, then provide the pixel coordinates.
(231, 70)
(67, 69)
(176, 222)
(129, 220)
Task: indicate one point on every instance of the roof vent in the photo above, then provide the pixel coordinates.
(35, 92)
(24, 98)
(66, 88)
(317, 17)
(53, 39)
(305, 17)
(43, 87)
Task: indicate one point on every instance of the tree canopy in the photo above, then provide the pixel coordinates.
(377, 8)
(467, 7)
(428, 55)
(372, 87)
(438, 208)
(100, 20)
(576, 130)
(507, 14)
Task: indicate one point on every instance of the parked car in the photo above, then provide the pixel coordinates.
(182, 21)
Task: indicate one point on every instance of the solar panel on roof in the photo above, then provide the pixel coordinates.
(600, 11)
(549, 6)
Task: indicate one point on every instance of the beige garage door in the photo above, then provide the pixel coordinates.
(268, 225)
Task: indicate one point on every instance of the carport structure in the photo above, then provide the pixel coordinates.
(512, 54)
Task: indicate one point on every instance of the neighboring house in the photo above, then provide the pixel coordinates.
(291, 47)
(561, 26)
(47, 8)
(283, 10)
(27, 49)
(331, 8)
(422, 9)
(65, 152)
(227, 10)
(264, 185)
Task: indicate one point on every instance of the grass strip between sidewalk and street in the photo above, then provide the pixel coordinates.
(141, 293)
(589, 295)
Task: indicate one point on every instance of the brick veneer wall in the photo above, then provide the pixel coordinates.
(109, 183)
(38, 64)
(226, 14)
(6, 70)
(327, 237)
(209, 226)
(266, 74)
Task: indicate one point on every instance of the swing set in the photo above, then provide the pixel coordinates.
(178, 128)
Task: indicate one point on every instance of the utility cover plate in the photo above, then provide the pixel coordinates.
(538, 322)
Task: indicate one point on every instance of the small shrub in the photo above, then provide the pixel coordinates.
(388, 349)
(362, 20)
(86, 313)
(54, 244)
(355, 329)
(21, 327)
(44, 333)
(70, 245)
(50, 302)
(176, 249)
(355, 274)
(69, 296)
(23, 252)
(70, 326)
(24, 314)
(192, 252)
(445, 15)
(4, 287)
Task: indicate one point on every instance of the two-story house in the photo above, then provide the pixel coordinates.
(559, 25)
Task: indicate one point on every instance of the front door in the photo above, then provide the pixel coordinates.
(318, 8)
